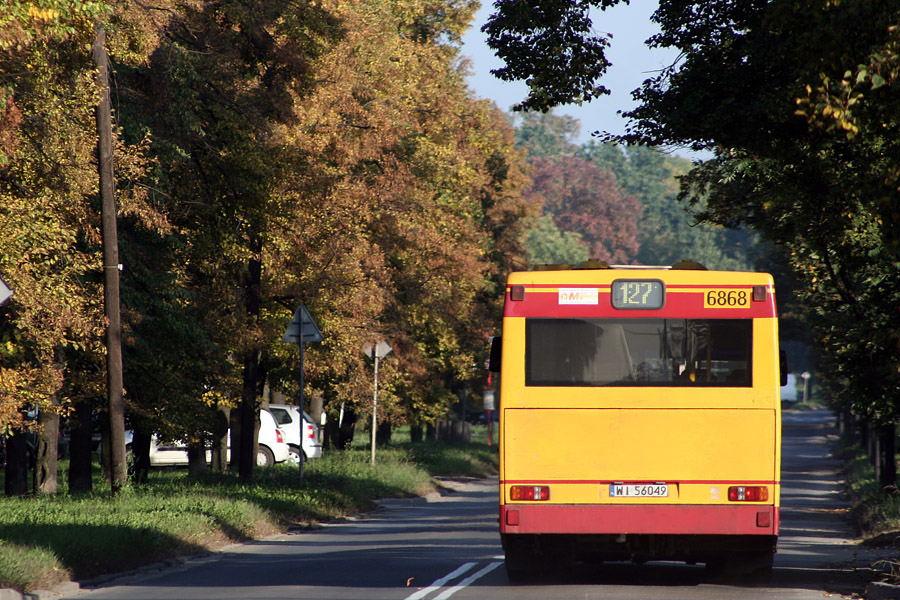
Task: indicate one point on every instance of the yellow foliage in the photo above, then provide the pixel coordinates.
(42, 14)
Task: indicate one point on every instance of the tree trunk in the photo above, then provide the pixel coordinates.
(17, 464)
(247, 453)
(46, 479)
(416, 433)
(197, 464)
(383, 433)
(341, 434)
(316, 408)
(248, 411)
(887, 459)
(80, 450)
(105, 447)
(140, 454)
(221, 440)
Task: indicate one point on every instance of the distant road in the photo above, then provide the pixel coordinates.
(448, 546)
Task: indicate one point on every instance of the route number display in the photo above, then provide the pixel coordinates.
(647, 294)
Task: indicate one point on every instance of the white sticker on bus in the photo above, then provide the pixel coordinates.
(579, 296)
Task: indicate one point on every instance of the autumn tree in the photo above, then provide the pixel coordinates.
(546, 244)
(48, 230)
(584, 198)
(668, 231)
(221, 79)
(406, 202)
(546, 135)
(270, 154)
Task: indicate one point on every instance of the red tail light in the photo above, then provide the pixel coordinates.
(278, 437)
(310, 432)
(529, 492)
(748, 493)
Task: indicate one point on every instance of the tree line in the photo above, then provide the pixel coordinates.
(268, 155)
(617, 203)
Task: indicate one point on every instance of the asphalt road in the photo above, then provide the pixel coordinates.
(447, 546)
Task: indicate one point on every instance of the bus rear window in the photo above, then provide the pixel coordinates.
(638, 352)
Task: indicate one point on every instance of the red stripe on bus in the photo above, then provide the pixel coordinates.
(643, 519)
(606, 286)
(669, 481)
(678, 305)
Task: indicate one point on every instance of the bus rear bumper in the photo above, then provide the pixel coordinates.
(722, 536)
(619, 519)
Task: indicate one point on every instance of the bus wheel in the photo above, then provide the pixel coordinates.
(755, 567)
(519, 571)
(761, 564)
(521, 563)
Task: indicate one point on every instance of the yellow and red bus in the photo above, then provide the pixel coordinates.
(640, 417)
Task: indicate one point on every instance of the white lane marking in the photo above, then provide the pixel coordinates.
(468, 581)
(439, 583)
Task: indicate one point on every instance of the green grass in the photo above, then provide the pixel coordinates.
(46, 540)
(875, 511)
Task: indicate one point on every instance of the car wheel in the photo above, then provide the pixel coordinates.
(294, 455)
(264, 457)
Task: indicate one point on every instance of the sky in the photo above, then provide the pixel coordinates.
(632, 63)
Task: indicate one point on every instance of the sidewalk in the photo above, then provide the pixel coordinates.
(817, 542)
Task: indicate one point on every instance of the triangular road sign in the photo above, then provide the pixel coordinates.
(302, 328)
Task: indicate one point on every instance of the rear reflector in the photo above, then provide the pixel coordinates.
(529, 492)
(748, 493)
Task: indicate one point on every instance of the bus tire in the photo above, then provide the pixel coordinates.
(519, 570)
(754, 566)
(761, 564)
(520, 562)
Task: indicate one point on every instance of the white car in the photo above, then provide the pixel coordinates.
(273, 447)
(290, 419)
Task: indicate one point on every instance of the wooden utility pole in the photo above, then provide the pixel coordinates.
(114, 379)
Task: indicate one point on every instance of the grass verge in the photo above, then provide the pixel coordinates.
(875, 511)
(48, 540)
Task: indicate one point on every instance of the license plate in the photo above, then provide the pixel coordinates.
(638, 490)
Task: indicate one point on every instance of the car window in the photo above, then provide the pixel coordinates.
(282, 416)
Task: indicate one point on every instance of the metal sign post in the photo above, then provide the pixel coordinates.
(376, 352)
(302, 329)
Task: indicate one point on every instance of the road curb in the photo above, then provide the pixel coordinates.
(877, 590)
(68, 588)
(63, 589)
